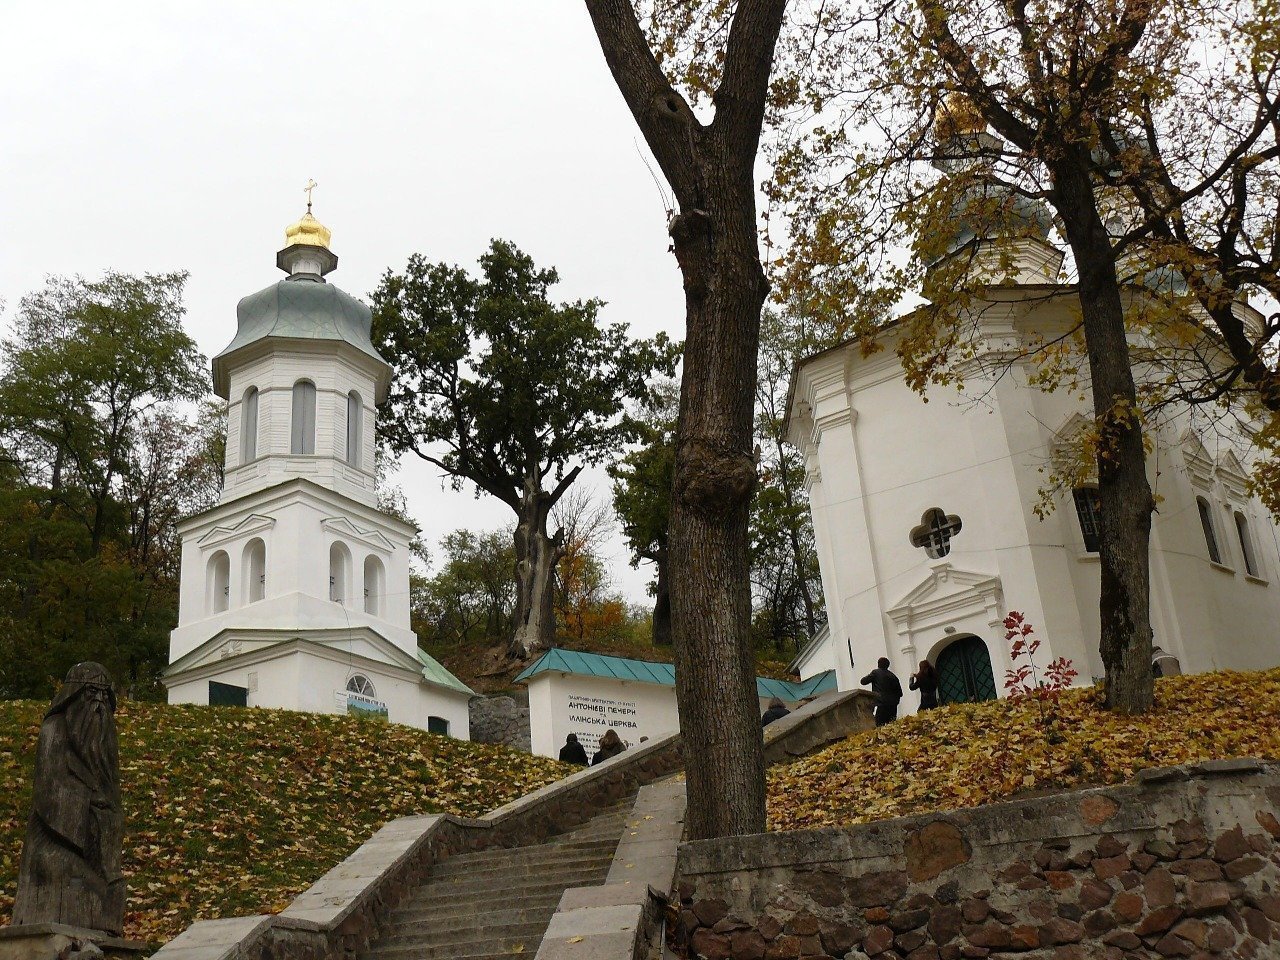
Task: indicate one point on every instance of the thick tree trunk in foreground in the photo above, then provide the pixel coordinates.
(711, 171)
(1124, 494)
(537, 553)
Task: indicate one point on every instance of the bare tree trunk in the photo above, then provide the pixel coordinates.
(711, 171)
(537, 554)
(1124, 494)
(662, 601)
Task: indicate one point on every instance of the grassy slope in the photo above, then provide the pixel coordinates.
(971, 754)
(231, 812)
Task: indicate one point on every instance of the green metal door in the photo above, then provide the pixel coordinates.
(227, 695)
(964, 672)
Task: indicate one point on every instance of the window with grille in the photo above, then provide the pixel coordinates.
(1206, 523)
(1246, 545)
(935, 532)
(438, 725)
(362, 685)
(1089, 513)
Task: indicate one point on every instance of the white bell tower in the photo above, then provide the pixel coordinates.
(295, 587)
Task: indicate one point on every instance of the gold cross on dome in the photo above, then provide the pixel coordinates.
(311, 185)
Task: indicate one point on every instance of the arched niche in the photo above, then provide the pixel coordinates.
(218, 583)
(255, 570)
(339, 573)
(375, 586)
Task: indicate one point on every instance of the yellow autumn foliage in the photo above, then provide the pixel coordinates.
(967, 755)
(231, 812)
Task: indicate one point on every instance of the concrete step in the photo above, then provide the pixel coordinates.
(486, 889)
(522, 940)
(514, 869)
(424, 935)
(440, 909)
(426, 920)
(603, 847)
(460, 896)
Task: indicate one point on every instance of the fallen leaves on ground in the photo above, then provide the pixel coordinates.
(967, 755)
(231, 812)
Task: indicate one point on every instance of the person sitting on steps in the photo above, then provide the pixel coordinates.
(777, 710)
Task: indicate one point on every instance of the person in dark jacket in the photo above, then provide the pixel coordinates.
(572, 751)
(777, 710)
(926, 681)
(610, 746)
(888, 690)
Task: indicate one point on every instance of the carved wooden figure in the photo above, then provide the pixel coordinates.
(71, 858)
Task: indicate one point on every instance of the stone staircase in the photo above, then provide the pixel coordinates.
(498, 903)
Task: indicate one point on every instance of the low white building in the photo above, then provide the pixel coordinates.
(924, 514)
(588, 693)
(295, 586)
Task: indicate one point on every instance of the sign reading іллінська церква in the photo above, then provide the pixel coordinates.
(590, 717)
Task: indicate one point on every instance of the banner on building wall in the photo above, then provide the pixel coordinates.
(355, 703)
(590, 717)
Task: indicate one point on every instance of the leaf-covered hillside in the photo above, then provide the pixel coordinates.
(971, 754)
(230, 812)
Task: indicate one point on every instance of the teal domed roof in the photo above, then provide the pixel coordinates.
(299, 309)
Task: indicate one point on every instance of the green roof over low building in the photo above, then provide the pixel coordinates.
(300, 309)
(434, 671)
(582, 664)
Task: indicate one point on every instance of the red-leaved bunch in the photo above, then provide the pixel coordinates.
(1026, 679)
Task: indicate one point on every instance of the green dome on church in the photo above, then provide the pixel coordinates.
(299, 308)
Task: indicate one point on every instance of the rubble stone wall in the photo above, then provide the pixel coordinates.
(1182, 862)
(500, 719)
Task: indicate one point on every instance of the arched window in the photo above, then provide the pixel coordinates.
(249, 425)
(303, 435)
(339, 573)
(355, 418)
(964, 672)
(1246, 545)
(362, 685)
(1089, 514)
(374, 585)
(219, 582)
(1206, 523)
(935, 532)
(255, 569)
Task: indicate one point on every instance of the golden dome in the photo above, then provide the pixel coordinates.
(957, 115)
(308, 231)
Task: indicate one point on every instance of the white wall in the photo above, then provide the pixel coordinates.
(561, 704)
(300, 680)
(878, 456)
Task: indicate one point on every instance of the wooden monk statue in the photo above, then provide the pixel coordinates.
(71, 859)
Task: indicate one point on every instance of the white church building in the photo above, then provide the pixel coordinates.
(924, 514)
(295, 586)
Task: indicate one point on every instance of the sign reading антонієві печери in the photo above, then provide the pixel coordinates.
(590, 717)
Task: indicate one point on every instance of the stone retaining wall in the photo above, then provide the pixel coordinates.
(1183, 862)
(500, 719)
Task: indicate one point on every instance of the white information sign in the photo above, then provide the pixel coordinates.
(590, 717)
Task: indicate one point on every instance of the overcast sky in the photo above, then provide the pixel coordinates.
(155, 137)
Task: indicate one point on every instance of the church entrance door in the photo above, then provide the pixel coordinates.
(964, 672)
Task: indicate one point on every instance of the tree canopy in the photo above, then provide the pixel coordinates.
(498, 386)
(97, 464)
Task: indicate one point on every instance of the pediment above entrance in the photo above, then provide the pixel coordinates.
(947, 593)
